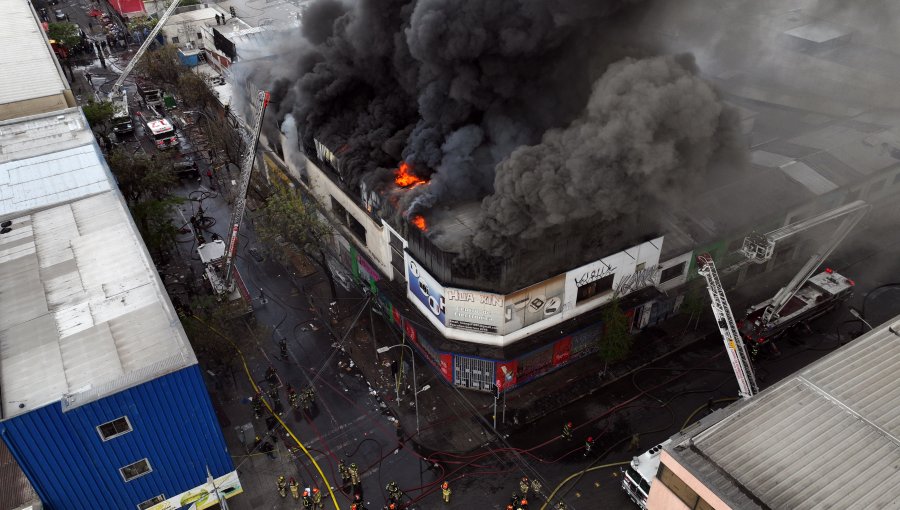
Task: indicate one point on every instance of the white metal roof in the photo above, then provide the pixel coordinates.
(82, 310)
(827, 437)
(818, 32)
(46, 160)
(82, 307)
(29, 69)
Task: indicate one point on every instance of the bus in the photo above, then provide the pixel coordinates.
(121, 121)
(163, 133)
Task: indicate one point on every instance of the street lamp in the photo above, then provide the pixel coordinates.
(382, 350)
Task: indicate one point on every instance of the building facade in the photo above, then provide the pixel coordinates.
(478, 338)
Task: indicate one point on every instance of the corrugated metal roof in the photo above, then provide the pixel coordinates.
(88, 310)
(29, 68)
(15, 490)
(46, 161)
(827, 437)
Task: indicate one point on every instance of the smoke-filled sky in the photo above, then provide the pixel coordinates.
(518, 103)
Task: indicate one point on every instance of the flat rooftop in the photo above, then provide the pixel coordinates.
(29, 67)
(84, 313)
(826, 437)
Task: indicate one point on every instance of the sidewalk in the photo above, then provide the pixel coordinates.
(447, 424)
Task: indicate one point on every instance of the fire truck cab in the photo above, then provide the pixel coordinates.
(163, 133)
(638, 476)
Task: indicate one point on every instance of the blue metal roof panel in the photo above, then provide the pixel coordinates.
(174, 427)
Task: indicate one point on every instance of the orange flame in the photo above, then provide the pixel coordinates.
(419, 221)
(404, 178)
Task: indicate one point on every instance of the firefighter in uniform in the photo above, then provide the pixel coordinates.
(523, 504)
(345, 473)
(272, 376)
(535, 487)
(304, 400)
(588, 444)
(524, 486)
(567, 431)
(394, 491)
(282, 485)
(295, 489)
(561, 506)
(317, 498)
(635, 442)
(307, 502)
(257, 406)
(445, 491)
(354, 476)
(293, 398)
(310, 394)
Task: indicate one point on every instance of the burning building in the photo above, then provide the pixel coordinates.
(497, 186)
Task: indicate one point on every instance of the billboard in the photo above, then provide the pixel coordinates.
(429, 292)
(470, 310)
(204, 496)
(534, 304)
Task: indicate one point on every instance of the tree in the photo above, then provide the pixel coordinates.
(694, 304)
(289, 225)
(141, 178)
(153, 218)
(141, 23)
(162, 67)
(195, 91)
(99, 114)
(225, 141)
(221, 316)
(615, 343)
(66, 34)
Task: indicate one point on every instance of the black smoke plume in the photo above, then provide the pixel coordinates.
(496, 100)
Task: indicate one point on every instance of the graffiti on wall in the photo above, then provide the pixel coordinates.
(534, 304)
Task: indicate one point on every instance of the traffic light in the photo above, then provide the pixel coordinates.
(233, 14)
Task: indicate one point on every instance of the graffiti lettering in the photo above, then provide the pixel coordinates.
(638, 280)
(594, 274)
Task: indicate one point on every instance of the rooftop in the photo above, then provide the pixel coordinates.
(29, 67)
(207, 14)
(831, 430)
(83, 313)
(32, 177)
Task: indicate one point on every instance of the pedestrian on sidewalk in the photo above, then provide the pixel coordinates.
(89, 78)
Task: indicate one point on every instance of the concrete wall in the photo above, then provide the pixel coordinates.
(661, 498)
(37, 105)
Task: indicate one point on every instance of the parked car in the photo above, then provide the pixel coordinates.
(60, 16)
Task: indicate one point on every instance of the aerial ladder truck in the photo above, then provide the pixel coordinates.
(117, 93)
(218, 256)
(805, 297)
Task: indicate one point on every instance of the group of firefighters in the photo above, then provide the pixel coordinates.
(305, 398)
(311, 499)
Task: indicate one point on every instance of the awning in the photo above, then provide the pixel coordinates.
(128, 8)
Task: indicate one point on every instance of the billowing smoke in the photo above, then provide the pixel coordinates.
(648, 132)
(496, 100)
